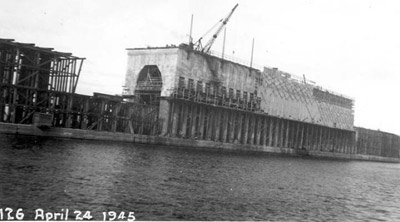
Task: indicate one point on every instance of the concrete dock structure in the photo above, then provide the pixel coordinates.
(179, 96)
(205, 97)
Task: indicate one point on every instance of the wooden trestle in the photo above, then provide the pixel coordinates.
(40, 80)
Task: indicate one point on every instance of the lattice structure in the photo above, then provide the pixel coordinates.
(289, 98)
(31, 76)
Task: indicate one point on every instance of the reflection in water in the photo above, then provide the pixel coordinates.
(159, 183)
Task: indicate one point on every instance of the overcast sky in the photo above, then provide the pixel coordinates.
(351, 47)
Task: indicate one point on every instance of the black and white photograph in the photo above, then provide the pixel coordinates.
(189, 110)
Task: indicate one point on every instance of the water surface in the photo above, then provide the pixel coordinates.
(164, 183)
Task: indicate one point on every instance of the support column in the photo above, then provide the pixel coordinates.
(271, 130)
(306, 135)
(320, 144)
(193, 120)
(282, 133)
(202, 119)
(239, 128)
(251, 129)
(258, 130)
(231, 133)
(277, 131)
(325, 140)
(330, 140)
(266, 131)
(225, 126)
(85, 113)
(287, 133)
(245, 128)
(301, 135)
(101, 120)
(164, 116)
(196, 125)
(210, 118)
(292, 135)
(184, 120)
(229, 126)
(217, 124)
(115, 117)
(262, 130)
(342, 137)
(313, 138)
(298, 136)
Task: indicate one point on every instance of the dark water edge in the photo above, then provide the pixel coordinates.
(167, 183)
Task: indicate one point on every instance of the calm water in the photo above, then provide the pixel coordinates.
(159, 183)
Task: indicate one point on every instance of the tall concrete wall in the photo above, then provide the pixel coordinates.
(209, 69)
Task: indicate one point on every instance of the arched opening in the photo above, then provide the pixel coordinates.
(148, 85)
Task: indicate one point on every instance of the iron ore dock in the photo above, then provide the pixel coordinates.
(183, 96)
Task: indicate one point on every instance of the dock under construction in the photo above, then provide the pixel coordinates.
(178, 95)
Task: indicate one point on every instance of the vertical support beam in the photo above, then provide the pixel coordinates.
(164, 116)
(298, 135)
(266, 131)
(342, 141)
(287, 125)
(312, 137)
(225, 126)
(100, 119)
(277, 131)
(323, 139)
(330, 140)
(210, 118)
(171, 112)
(239, 127)
(202, 120)
(85, 113)
(217, 126)
(301, 145)
(336, 144)
(282, 133)
(258, 130)
(184, 119)
(228, 126)
(70, 99)
(245, 128)
(251, 129)
(293, 135)
(306, 135)
(231, 133)
(326, 140)
(194, 121)
(175, 118)
(321, 142)
(262, 130)
(190, 118)
(270, 131)
(115, 117)
(13, 75)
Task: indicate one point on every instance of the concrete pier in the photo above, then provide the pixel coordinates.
(222, 124)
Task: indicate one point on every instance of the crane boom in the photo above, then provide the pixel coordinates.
(207, 47)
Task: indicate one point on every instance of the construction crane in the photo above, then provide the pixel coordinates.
(210, 42)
